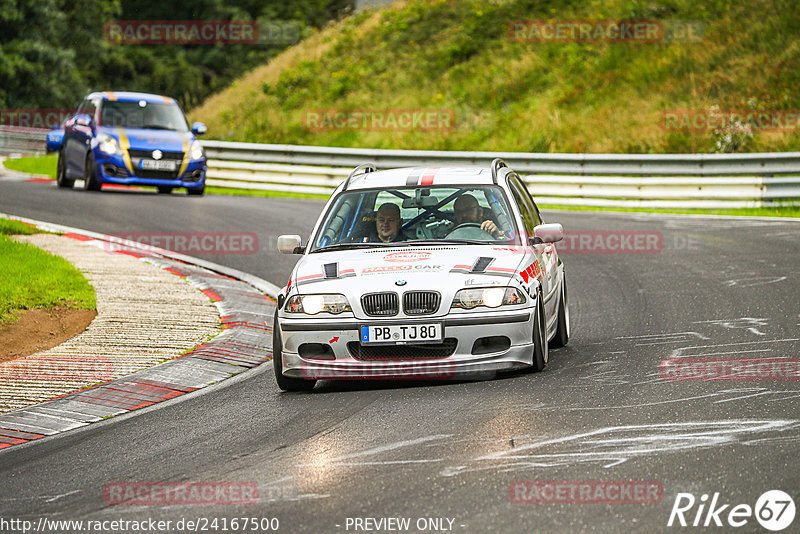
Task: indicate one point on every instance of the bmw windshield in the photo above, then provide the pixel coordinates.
(416, 215)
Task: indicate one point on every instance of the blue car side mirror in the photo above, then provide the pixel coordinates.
(83, 119)
(54, 139)
(198, 128)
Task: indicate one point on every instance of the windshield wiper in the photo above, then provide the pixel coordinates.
(448, 241)
(157, 127)
(344, 246)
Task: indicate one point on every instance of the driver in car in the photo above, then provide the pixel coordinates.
(387, 224)
(467, 210)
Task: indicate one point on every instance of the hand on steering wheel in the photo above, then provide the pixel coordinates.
(476, 226)
(489, 226)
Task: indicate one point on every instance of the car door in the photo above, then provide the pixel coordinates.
(549, 253)
(543, 253)
(69, 142)
(532, 265)
(78, 135)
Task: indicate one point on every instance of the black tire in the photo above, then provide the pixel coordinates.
(164, 190)
(90, 182)
(541, 352)
(61, 174)
(284, 382)
(562, 330)
(196, 192)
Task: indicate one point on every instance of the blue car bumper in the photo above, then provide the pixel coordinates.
(113, 169)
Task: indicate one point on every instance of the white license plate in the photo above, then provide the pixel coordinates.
(158, 165)
(410, 333)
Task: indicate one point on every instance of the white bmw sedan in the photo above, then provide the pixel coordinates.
(422, 273)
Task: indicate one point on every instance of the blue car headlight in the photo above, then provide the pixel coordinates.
(196, 151)
(108, 145)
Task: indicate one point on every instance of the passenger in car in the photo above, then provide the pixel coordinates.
(467, 211)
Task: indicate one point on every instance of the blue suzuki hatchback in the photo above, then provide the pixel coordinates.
(131, 139)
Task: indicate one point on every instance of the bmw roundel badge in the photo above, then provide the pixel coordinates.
(400, 283)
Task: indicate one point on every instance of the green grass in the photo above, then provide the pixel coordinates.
(34, 279)
(43, 165)
(784, 211)
(12, 227)
(508, 95)
(259, 193)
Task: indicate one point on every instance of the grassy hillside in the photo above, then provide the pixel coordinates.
(526, 96)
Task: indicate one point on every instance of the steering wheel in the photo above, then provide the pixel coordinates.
(470, 226)
(466, 225)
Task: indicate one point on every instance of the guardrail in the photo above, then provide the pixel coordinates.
(629, 180)
(573, 164)
(648, 180)
(22, 140)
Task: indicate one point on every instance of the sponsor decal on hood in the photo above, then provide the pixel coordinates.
(407, 256)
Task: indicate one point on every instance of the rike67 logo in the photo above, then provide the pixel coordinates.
(774, 510)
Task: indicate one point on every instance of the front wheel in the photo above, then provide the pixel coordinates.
(61, 174)
(195, 191)
(541, 352)
(284, 382)
(562, 329)
(90, 182)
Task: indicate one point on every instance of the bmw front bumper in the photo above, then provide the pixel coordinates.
(486, 342)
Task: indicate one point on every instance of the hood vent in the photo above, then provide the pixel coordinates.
(481, 264)
(331, 270)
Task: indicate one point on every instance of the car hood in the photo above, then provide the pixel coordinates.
(144, 139)
(445, 269)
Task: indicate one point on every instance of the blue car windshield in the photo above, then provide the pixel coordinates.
(143, 114)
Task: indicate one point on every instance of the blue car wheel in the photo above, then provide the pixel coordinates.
(61, 173)
(90, 182)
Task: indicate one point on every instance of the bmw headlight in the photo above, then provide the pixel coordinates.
(314, 304)
(196, 150)
(108, 145)
(491, 297)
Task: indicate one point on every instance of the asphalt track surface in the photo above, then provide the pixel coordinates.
(601, 411)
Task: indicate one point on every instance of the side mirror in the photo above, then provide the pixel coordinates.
(198, 128)
(289, 244)
(54, 139)
(547, 233)
(83, 120)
